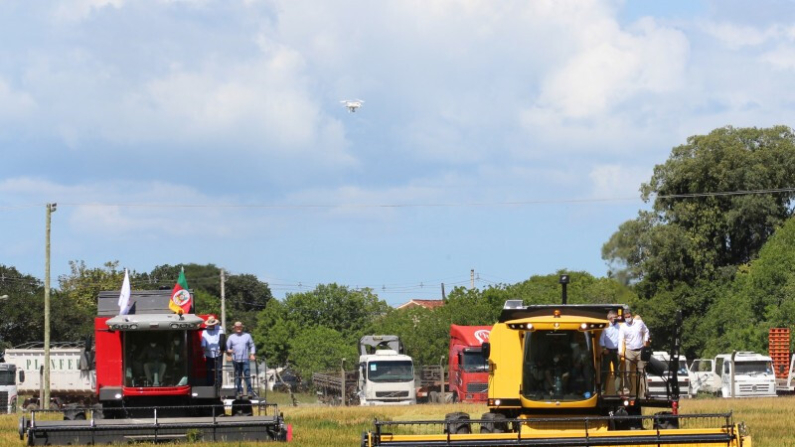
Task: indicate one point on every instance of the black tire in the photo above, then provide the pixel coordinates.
(665, 420)
(96, 412)
(453, 424)
(23, 427)
(455, 397)
(496, 423)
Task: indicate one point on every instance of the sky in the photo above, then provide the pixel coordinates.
(505, 137)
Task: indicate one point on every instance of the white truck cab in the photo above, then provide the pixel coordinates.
(8, 388)
(386, 378)
(752, 374)
(656, 384)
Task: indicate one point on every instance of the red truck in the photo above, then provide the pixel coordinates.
(468, 367)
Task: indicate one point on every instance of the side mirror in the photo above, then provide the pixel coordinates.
(21, 376)
(486, 347)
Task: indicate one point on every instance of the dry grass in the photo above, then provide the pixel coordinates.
(770, 421)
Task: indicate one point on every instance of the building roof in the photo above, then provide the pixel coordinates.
(428, 304)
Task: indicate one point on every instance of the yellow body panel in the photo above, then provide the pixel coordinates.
(505, 362)
(661, 437)
(507, 349)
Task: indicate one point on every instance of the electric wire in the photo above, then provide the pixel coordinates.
(414, 205)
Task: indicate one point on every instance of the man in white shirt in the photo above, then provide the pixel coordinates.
(632, 337)
(211, 344)
(608, 342)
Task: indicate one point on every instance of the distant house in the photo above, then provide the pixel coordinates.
(428, 304)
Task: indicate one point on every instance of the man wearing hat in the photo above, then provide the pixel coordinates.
(240, 346)
(211, 344)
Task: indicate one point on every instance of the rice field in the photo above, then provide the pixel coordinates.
(771, 421)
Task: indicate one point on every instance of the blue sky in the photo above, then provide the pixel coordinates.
(508, 137)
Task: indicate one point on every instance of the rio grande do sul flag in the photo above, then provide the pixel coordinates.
(181, 300)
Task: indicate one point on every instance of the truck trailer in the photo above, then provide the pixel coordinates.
(152, 384)
(72, 373)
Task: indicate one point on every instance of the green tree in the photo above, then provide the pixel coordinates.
(331, 306)
(23, 311)
(692, 233)
(319, 348)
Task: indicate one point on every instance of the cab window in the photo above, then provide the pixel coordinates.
(558, 365)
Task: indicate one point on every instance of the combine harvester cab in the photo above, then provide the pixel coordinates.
(546, 388)
(153, 398)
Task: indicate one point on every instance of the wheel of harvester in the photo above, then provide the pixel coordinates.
(665, 420)
(496, 423)
(453, 423)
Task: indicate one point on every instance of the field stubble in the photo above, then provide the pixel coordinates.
(770, 421)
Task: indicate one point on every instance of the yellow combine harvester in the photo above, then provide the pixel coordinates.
(546, 388)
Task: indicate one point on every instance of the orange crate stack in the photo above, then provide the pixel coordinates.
(778, 342)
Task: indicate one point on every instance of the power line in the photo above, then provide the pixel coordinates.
(413, 205)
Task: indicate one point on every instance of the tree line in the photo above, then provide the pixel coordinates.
(717, 242)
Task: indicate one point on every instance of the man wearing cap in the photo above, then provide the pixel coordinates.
(211, 344)
(632, 337)
(240, 346)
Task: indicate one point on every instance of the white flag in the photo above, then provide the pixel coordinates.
(124, 296)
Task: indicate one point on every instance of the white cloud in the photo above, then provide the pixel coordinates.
(612, 65)
(130, 209)
(14, 104)
(737, 36)
(76, 10)
(782, 57)
(617, 182)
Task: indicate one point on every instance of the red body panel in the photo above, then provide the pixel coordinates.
(184, 390)
(110, 368)
(108, 349)
(461, 338)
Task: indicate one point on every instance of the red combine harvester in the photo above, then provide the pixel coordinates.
(152, 385)
(469, 368)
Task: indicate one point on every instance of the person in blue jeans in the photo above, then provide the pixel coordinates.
(240, 346)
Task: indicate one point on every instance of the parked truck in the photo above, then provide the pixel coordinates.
(384, 375)
(468, 367)
(8, 388)
(72, 374)
(658, 384)
(467, 374)
(750, 372)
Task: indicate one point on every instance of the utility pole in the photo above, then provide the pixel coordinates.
(223, 300)
(45, 398)
(342, 377)
(472, 279)
(444, 296)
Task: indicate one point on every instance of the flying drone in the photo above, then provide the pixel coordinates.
(352, 104)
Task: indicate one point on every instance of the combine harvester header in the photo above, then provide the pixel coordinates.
(152, 384)
(547, 388)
